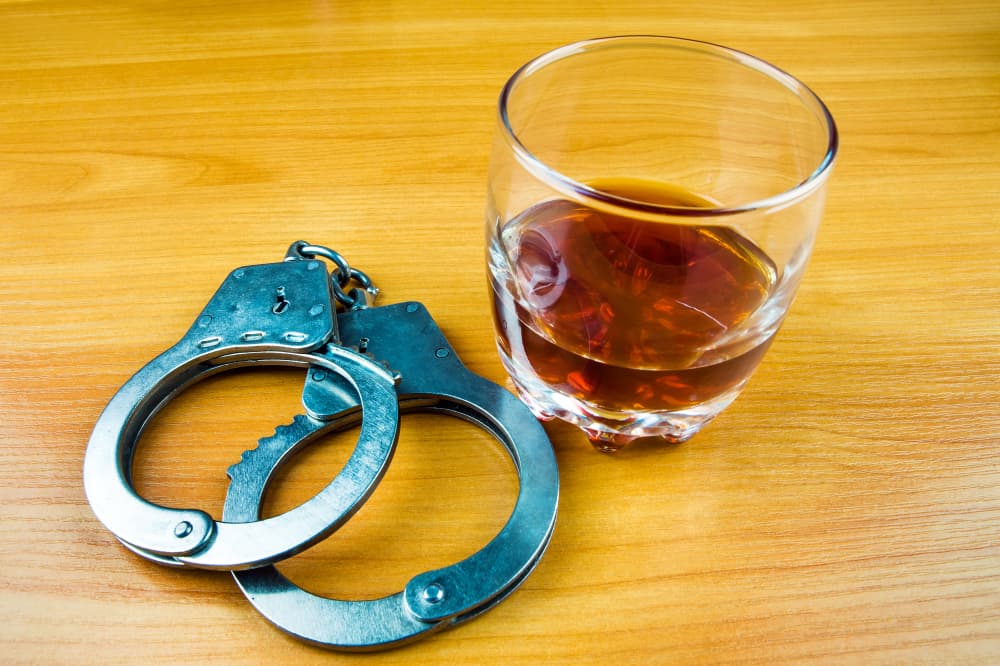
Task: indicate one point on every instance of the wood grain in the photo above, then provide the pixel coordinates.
(846, 509)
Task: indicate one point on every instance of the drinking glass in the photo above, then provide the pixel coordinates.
(652, 205)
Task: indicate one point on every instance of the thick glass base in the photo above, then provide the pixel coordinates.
(610, 430)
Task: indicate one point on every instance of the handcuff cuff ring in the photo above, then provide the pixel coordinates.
(433, 379)
(268, 314)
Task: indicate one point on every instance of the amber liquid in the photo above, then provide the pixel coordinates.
(626, 314)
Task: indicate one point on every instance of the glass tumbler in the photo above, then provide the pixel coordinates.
(652, 205)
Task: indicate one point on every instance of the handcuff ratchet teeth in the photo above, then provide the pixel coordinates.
(286, 314)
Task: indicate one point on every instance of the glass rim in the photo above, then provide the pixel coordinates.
(576, 188)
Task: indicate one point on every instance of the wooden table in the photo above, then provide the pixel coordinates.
(846, 509)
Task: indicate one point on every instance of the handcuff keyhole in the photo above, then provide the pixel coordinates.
(282, 303)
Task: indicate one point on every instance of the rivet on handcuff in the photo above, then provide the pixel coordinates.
(286, 314)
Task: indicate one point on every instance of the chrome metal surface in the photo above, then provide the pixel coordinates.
(266, 314)
(283, 314)
(433, 379)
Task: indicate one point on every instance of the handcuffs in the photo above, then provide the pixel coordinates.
(286, 314)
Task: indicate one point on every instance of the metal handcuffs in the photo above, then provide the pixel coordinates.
(433, 379)
(267, 314)
(283, 314)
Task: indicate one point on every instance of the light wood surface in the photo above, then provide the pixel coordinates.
(846, 509)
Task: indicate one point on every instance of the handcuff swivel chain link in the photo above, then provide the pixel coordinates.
(360, 296)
